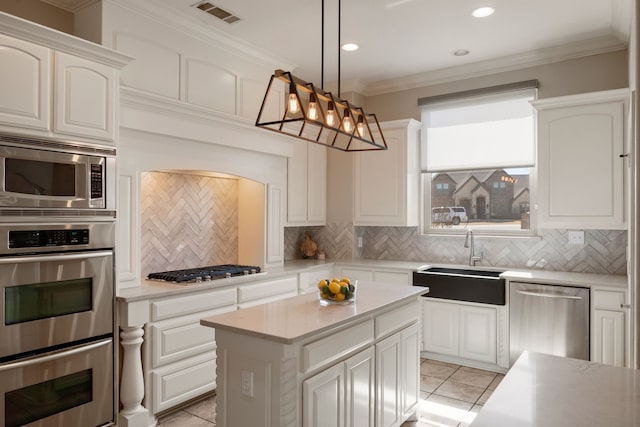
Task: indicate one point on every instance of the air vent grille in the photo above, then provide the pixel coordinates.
(218, 12)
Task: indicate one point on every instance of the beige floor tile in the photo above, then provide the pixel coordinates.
(485, 396)
(460, 391)
(183, 419)
(436, 370)
(475, 378)
(471, 415)
(437, 362)
(205, 409)
(496, 381)
(429, 384)
(443, 411)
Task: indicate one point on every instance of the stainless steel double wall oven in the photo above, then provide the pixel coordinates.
(57, 239)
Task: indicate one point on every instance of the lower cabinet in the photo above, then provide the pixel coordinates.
(608, 325)
(270, 290)
(309, 279)
(397, 377)
(392, 277)
(342, 395)
(461, 330)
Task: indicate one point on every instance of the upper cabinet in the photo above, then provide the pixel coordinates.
(307, 185)
(581, 160)
(56, 85)
(387, 182)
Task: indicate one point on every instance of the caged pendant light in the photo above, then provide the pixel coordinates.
(315, 115)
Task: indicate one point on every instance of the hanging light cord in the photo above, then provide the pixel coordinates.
(322, 51)
(339, 27)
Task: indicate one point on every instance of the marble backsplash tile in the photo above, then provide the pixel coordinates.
(604, 251)
(187, 221)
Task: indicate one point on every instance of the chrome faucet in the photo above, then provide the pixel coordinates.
(468, 243)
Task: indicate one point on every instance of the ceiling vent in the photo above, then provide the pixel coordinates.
(218, 12)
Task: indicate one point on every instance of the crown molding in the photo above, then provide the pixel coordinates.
(63, 42)
(72, 6)
(185, 22)
(592, 46)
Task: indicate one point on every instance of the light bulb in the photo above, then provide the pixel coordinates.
(331, 115)
(360, 127)
(294, 106)
(312, 114)
(347, 122)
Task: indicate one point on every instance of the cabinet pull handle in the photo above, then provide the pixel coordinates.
(625, 305)
(624, 155)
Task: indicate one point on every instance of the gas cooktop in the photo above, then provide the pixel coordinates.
(200, 274)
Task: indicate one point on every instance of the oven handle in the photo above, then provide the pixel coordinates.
(46, 258)
(55, 355)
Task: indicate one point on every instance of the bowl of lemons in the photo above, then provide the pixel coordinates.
(337, 291)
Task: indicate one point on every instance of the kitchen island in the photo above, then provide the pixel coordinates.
(297, 363)
(552, 391)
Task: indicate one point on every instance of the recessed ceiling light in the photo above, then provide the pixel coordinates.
(461, 52)
(350, 47)
(483, 12)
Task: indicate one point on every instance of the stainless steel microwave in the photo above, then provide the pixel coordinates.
(40, 174)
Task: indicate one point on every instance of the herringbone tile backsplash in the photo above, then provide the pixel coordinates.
(188, 221)
(604, 251)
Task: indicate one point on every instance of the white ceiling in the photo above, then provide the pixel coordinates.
(414, 40)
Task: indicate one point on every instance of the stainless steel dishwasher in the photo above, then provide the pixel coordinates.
(548, 319)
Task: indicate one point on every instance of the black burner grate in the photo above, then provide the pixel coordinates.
(205, 273)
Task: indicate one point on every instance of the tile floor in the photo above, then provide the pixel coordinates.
(450, 396)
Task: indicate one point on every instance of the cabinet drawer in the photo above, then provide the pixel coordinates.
(397, 319)
(309, 279)
(172, 307)
(335, 346)
(177, 339)
(608, 299)
(392, 277)
(269, 289)
(178, 383)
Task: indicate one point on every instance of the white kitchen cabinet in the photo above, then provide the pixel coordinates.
(608, 325)
(308, 281)
(270, 290)
(467, 331)
(392, 277)
(85, 98)
(342, 395)
(581, 140)
(180, 354)
(57, 85)
(25, 84)
(307, 185)
(387, 182)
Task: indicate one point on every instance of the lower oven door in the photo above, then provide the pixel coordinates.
(54, 299)
(69, 387)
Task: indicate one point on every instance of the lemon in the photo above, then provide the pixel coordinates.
(339, 297)
(322, 283)
(335, 287)
(346, 279)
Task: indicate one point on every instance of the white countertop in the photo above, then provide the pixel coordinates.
(299, 317)
(550, 391)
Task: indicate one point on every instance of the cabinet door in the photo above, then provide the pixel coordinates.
(84, 98)
(478, 333)
(389, 382)
(25, 84)
(440, 327)
(360, 393)
(410, 341)
(316, 184)
(297, 185)
(323, 398)
(386, 183)
(609, 337)
(581, 172)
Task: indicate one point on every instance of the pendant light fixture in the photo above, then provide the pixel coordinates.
(315, 115)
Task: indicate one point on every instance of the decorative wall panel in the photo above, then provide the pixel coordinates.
(187, 221)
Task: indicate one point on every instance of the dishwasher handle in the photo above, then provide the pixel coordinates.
(542, 294)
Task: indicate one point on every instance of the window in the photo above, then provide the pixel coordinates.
(478, 155)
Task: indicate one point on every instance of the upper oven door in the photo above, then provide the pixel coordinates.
(55, 299)
(36, 178)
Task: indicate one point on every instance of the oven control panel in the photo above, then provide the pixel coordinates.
(45, 238)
